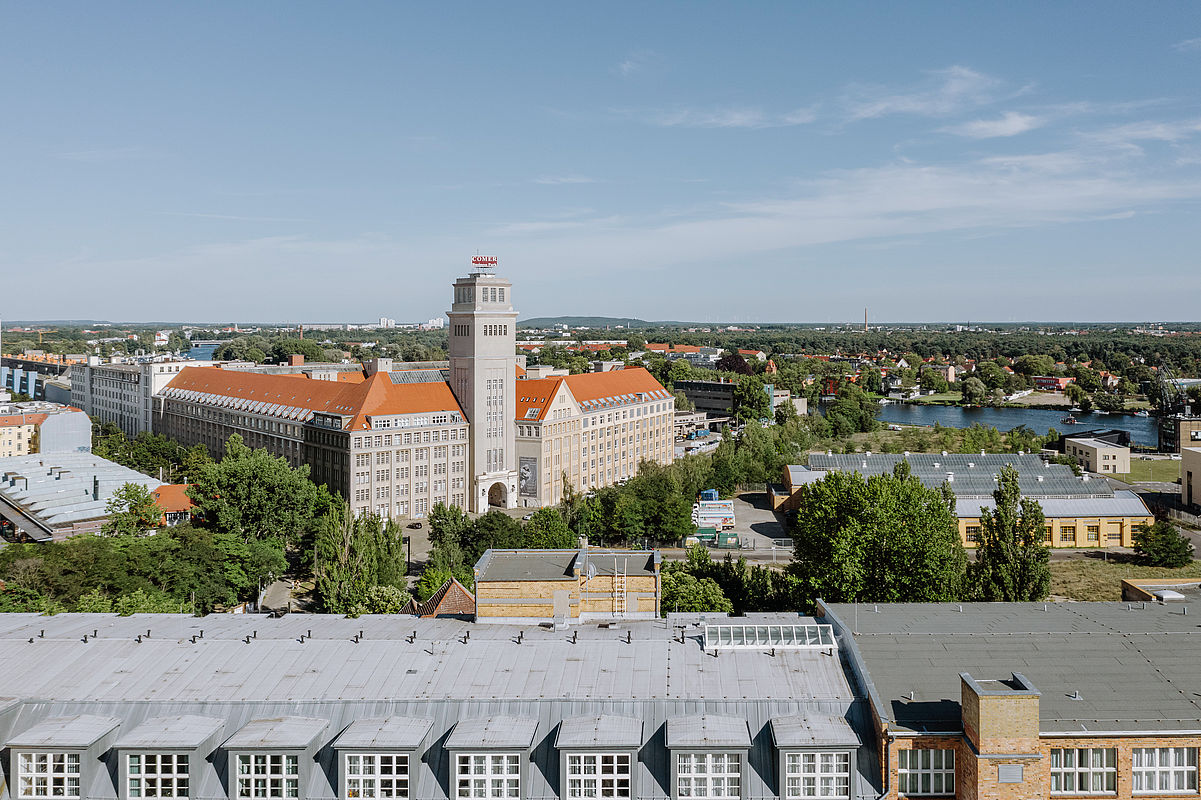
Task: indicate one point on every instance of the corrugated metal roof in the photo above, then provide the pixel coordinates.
(397, 733)
(281, 733)
(1121, 504)
(179, 732)
(812, 730)
(77, 731)
(501, 731)
(707, 731)
(604, 730)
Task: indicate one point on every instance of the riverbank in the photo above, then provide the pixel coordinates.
(1142, 430)
(1051, 401)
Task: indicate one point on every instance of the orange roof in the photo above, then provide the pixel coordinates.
(520, 371)
(10, 420)
(750, 352)
(673, 348)
(376, 395)
(173, 497)
(535, 394)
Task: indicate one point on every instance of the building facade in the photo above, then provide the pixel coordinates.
(1098, 455)
(122, 393)
(589, 430)
(43, 428)
(397, 439)
(1190, 478)
(483, 368)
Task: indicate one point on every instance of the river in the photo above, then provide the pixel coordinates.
(1142, 429)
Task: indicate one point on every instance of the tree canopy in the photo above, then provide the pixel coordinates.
(1012, 560)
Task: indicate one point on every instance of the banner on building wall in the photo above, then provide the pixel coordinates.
(528, 477)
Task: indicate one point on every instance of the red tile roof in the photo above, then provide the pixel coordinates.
(535, 394)
(376, 395)
(451, 600)
(172, 497)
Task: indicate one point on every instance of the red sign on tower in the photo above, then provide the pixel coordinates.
(487, 262)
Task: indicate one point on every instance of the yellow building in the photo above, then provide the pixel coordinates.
(1081, 512)
(17, 433)
(566, 586)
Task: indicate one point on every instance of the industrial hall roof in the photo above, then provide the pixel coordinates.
(291, 398)
(1100, 667)
(972, 475)
(324, 684)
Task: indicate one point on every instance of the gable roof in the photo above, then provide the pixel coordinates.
(453, 599)
(594, 390)
(534, 396)
(288, 397)
(173, 497)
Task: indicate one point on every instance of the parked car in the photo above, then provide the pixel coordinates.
(415, 525)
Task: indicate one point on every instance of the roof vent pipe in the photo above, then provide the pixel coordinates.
(1040, 478)
(950, 477)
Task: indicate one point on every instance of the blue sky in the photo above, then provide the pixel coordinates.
(743, 161)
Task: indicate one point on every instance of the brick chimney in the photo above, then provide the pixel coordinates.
(296, 360)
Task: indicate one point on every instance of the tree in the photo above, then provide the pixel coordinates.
(352, 555)
(751, 400)
(1012, 561)
(547, 529)
(734, 362)
(132, 511)
(382, 600)
(852, 412)
(254, 494)
(1162, 545)
(786, 412)
(973, 390)
(683, 592)
(872, 380)
(933, 380)
(887, 538)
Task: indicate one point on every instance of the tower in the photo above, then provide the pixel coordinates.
(483, 373)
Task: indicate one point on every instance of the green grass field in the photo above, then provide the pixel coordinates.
(1155, 470)
(941, 397)
(1092, 579)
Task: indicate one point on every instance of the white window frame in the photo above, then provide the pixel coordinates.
(276, 783)
(817, 774)
(1070, 766)
(926, 772)
(696, 773)
(1153, 768)
(370, 780)
(173, 778)
(591, 774)
(488, 775)
(57, 769)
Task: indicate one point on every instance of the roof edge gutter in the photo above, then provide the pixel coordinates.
(855, 660)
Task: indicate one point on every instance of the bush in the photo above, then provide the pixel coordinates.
(1161, 545)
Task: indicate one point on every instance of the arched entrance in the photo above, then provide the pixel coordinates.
(496, 495)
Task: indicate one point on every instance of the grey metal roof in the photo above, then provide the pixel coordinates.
(277, 733)
(500, 731)
(603, 730)
(970, 475)
(417, 376)
(394, 733)
(54, 490)
(526, 565)
(628, 562)
(653, 678)
(76, 731)
(799, 475)
(706, 731)
(1134, 666)
(181, 732)
(812, 730)
(1122, 504)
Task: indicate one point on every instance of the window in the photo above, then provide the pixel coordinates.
(818, 775)
(598, 775)
(1164, 770)
(712, 775)
(156, 775)
(48, 774)
(489, 775)
(377, 775)
(927, 772)
(268, 775)
(1084, 770)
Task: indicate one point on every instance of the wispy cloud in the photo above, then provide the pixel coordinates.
(729, 118)
(1188, 45)
(636, 62)
(945, 92)
(1147, 131)
(103, 155)
(563, 180)
(1011, 123)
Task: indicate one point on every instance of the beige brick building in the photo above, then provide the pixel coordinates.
(566, 586)
(594, 429)
(1098, 455)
